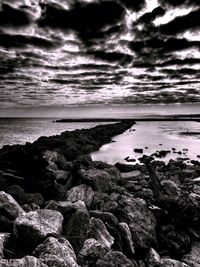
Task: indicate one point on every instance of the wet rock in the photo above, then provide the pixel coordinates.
(81, 192)
(27, 261)
(171, 188)
(192, 258)
(91, 251)
(4, 240)
(138, 150)
(98, 231)
(99, 180)
(140, 219)
(56, 252)
(115, 258)
(76, 227)
(32, 228)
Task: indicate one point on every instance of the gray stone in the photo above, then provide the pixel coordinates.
(98, 231)
(193, 258)
(115, 258)
(4, 239)
(27, 261)
(56, 253)
(33, 227)
(10, 206)
(81, 192)
(153, 259)
(126, 234)
(171, 188)
(174, 263)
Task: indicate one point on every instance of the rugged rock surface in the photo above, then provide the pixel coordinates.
(27, 261)
(32, 228)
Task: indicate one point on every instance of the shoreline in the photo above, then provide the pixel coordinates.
(57, 205)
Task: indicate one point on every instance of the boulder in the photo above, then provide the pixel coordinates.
(192, 258)
(76, 227)
(171, 188)
(9, 206)
(81, 192)
(106, 217)
(32, 228)
(27, 261)
(173, 263)
(56, 252)
(98, 231)
(90, 252)
(124, 167)
(4, 240)
(127, 242)
(115, 258)
(65, 207)
(141, 221)
(153, 259)
(99, 180)
(133, 175)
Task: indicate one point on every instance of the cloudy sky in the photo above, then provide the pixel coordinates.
(69, 52)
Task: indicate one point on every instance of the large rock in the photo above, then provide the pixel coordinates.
(56, 252)
(98, 231)
(33, 227)
(141, 221)
(4, 240)
(173, 263)
(27, 261)
(76, 227)
(193, 258)
(81, 192)
(128, 245)
(171, 188)
(115, 258)
(153, 259)
(9, 206)
(91, 251)
(98, 179)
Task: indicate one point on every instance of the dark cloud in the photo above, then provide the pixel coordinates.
(86, 18)
(180, 24)
(156, 12)
(17, 41)
(10, 16)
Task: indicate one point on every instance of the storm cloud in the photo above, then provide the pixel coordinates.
(102, 51)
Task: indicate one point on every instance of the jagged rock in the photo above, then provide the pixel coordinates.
(91, 251)
(171, 188)
(98, 231)
(27, 261)
(127, 241)
(33, 227)
(4, 239)
(98, 179)
(153, 259)
(81, 192)
(106, 217)
(66, 207)
(76, 227)
(173, 263)
(56, 252)
(131, 175)
(192, 258)
(30, 207)
(115, 258)
(9, 206)
(140, 219)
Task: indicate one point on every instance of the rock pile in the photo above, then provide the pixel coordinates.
(65, 210)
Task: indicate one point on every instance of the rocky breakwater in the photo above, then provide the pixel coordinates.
(61, 209)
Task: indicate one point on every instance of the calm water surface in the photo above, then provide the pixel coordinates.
(154, 136)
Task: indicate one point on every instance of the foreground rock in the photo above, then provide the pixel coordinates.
(27, 261)
(56, 252)
(32, 228)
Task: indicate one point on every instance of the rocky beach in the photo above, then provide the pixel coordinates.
(59, 208)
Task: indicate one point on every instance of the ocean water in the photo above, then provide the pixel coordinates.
(22, 130)
(153, 136)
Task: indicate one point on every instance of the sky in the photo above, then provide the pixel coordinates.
(56, 54)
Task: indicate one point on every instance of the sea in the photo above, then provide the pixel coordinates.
(151, 136)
